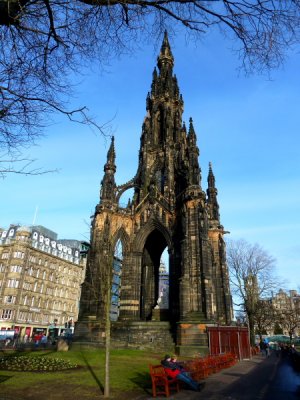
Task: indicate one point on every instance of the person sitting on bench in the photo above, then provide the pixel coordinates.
(174, 370)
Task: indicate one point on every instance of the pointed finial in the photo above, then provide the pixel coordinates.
(111, 157)
(111, 152)
(212, 193)
(107, 193)
(211, 177)
(191, 127)
(165, 57)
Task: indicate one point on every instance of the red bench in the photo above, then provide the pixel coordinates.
(161, 383)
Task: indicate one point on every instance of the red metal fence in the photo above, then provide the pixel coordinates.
(229, 339)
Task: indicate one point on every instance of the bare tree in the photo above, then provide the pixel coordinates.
(289, 318)
(252, 278)
(42, 41)
(264, 317)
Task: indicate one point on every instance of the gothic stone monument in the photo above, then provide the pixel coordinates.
(169, 210)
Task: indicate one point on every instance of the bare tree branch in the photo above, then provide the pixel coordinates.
(14, 164)
(42, 41)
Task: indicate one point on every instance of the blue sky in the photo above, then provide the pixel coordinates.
(247, 126)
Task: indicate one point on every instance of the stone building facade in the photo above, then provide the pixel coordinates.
(287, 308)
(40, 280)
(169, 209)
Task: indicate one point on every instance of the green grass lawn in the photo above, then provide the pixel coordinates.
(129, 376)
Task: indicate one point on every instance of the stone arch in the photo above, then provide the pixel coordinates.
(123, 236)
(150, 226)
(117, 267)
(149, 244)
(122, 189)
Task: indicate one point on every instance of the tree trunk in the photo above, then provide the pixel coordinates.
(251, 329)
(107, 346)
(107, 330)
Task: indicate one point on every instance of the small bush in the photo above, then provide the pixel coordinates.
(35, 364)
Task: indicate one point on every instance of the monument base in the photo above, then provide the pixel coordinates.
(142, 335)
(192, 337)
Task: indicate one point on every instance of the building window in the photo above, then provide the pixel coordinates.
(22, 316)
(18, 254)
(27, 286)
(35, 286)
(6, 314)
(49, 291)
(4, 256)
(45, 319)
(2, 268)
(16, 268)
(10, 299)
(32, 302)
(37, 273)
(25, 301)
(13, 283)
(44, 274)
(42, 287)
(32, 259)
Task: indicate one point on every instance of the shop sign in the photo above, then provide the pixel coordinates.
(38, 329)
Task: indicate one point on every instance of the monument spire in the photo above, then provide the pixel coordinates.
(169, 210)
(212, 193)
(165, 60)
(193, 151)
(108, 184)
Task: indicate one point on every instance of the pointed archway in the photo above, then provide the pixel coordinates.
(151, 256)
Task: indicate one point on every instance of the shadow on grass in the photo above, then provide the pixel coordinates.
(90, 368)
(144, 382)
(4, 378)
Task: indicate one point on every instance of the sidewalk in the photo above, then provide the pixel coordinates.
(260, 378)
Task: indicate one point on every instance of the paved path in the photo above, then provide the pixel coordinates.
(260, 378)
